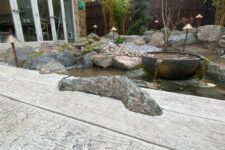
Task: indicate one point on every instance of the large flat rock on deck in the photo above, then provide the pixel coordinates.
(35, 114)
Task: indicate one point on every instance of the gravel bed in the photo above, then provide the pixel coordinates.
(142, 48)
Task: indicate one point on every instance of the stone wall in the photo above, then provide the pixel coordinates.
(82, 23)
(76, 12)
(216, 72)
(80, 20)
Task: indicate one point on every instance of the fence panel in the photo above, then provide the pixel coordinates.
(94, 16)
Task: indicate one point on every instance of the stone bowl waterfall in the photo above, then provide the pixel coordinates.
(171, 65)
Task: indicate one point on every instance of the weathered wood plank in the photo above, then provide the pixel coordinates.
(190, 105)
(26, 127)
(175, 128)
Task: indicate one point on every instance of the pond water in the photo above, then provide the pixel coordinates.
(95, 72)
(184, 87)
(217, 92)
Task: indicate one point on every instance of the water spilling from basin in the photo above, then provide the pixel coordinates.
(157, 67)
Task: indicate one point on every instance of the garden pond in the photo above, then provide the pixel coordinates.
(180, 86)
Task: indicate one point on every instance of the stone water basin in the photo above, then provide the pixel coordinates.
(171, 65)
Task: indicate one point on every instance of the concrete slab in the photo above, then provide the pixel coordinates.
(188, 122)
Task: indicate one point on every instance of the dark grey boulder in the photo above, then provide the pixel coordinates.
(53, 67)
(83, 61)
(37, 62)
(222, 41)
(52, 55)
(216, 72)
(23, 54)
(45, 65)
(179, 39)
(118, 87)
(94, 36)
(210, 33)
(66, 59)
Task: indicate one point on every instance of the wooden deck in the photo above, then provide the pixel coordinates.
(35, 115)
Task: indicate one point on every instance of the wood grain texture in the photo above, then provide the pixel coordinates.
(25, 127)
(188, 122)
(190, 105)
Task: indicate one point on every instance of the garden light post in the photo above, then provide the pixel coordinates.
(95, 28)
(186, 28)
(199, 18)
(156, 22)
(11, 40)
(113, 30)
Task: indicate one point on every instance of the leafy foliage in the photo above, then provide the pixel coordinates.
(121, 12)
(119, 40)
(139, 19)
(66, 46)
(88, 48)
(38, 53)
(115, 13)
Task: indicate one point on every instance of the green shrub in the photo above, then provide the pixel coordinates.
(115, 13)
(65, 46)
(119, 40)
(88, 48)
(38, 53)
(139, 19)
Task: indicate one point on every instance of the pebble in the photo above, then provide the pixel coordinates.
(141, 48)
(127, 49)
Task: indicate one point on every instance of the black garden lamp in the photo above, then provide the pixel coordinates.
(156, 22)
(113, 30)
(198, 19)
(95, 28)
(186, 28)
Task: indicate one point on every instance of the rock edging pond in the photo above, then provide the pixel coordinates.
(118, 87)
(216, 72)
